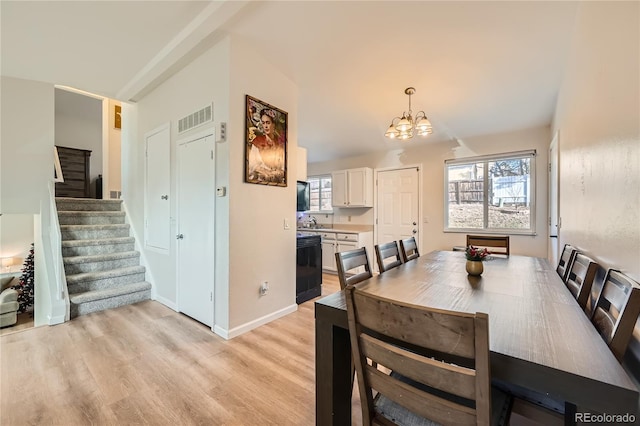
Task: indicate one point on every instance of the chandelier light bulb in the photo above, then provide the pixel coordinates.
(406, 125)
(403, 125)
(391, 132)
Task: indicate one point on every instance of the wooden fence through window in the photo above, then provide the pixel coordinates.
(466, 191)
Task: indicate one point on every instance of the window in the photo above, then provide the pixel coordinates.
(493, 193)
(320, 188)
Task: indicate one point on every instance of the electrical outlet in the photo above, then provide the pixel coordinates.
(264, 288)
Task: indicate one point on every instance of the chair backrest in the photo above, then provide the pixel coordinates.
(409, 249)
(566, 259)
(349, 260)
(580, 278)
(399, 337)
(387, 251)
(616, 311)
(495, 244)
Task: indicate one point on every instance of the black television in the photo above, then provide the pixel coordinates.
(304, 197)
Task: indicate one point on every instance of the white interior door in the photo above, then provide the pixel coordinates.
(195, 227)
(157, 231)
(398, 202)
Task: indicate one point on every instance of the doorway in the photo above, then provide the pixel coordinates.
(195, 227)
(554, 192)
(398, 204)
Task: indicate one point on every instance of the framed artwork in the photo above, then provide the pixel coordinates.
(117, 117)
(265, 144)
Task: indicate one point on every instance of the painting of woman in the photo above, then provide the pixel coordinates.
(266, 144)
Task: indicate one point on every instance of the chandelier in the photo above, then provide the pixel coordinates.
(406, 126)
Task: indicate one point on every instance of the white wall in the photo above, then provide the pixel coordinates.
(16, 235)
(431, 157)
(26, 144)
(203, 81)
(251, 244)
(598, 119)
(78, 124)
(27, 141)
(260, 249)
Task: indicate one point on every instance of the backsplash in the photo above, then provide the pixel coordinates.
(351, 216)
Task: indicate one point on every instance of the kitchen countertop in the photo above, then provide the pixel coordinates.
(299, 235)
(352, 229)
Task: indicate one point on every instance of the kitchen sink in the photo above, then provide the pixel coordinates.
(314, 227)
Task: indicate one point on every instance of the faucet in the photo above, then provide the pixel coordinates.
(314, 221)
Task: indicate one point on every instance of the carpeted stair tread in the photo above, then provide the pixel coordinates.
(90, 213)
(108, 303)
(105, 226)
(90, 296)
(100, 257)
(98, 275)
(87, 204)
(102, 268)
(99, 241)
(87, 200)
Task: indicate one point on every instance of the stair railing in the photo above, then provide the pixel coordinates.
(52, 246)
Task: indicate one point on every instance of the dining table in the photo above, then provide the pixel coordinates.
(540, 338)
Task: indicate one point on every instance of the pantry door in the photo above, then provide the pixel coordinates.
(195, 228)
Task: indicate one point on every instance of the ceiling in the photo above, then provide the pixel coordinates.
(478, 67)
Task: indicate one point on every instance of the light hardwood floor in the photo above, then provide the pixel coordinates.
(146, 364)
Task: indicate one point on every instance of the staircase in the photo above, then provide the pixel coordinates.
(102, 268)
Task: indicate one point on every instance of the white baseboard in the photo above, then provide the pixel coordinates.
(166, 302)
(57, 319)
(237, 331)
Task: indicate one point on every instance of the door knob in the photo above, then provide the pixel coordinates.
(179, 236)
(414, 231)
(164, 197)
(414, 224)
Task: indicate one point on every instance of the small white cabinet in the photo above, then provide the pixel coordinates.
(347, 242)
(335, 242)
(352, 187)
(328, 251)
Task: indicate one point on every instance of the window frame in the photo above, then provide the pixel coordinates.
(320, 191)
(531, 154)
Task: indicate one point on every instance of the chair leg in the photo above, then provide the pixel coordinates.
(353, 374)
(570, 414)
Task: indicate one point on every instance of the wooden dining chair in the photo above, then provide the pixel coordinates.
(580, 278)
(414, 387)
(388, 251)
(566, 259)
(616, 311)
(409, 249)
(495, 244)
(348, 261)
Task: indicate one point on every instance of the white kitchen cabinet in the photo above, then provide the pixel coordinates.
(346, 242)
(335, 241)
(328, 251)
(352, 187)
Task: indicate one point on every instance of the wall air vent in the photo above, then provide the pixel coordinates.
(197, 119)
